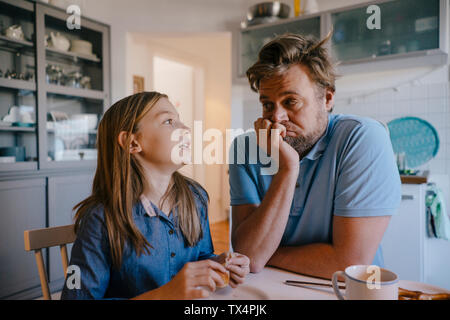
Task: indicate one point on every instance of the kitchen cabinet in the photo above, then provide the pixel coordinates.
(63, 94)
(74, 88)
(51, 97)
(23, 207)
(407, 249)
(412, 33)
(255, 37)
(63, 194)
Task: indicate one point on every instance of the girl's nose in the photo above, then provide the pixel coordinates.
(279, 114)
(184, 127)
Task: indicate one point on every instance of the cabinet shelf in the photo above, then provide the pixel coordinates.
(14, 43)
(55, 54)
(18, 166)
(18, 84)
(75, 92)
(17, 129)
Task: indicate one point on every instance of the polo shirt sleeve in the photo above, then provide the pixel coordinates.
(368, 182)
(243, 187)
(91, 254)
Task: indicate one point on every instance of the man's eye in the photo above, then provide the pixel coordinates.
(267, 106)
(291, 102)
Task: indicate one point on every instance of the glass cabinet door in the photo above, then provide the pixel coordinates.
(406, 26)
(72, 127)
(73, 57)
(75, 93)
(18, 138)
(253, 39)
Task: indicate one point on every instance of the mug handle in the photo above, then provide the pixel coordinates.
(336, 286)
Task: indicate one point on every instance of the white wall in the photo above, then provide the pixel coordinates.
(155, 16)
(210, 52)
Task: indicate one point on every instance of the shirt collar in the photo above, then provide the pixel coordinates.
(147, 206)
(320, 146)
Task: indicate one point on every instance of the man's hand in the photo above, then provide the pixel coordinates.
(288, 157)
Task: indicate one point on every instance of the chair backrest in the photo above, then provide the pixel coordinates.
(39, 239)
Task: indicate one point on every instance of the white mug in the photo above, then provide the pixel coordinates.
(367, 282)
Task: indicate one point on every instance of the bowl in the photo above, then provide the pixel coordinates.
(268, 9)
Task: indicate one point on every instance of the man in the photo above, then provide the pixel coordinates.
(337, 184)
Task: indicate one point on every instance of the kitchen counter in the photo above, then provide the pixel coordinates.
(415, 179)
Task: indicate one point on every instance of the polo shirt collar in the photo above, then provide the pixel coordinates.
(320, 146)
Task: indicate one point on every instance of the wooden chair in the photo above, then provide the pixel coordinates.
(45, 238)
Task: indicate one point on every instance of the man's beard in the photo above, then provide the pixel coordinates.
(304, 143)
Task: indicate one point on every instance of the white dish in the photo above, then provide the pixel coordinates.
(81, 47)
(88, 120)
(7, 159)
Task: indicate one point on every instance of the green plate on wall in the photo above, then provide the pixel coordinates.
(417, 138)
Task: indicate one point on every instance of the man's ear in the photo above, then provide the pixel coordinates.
(134, 146)
(329, 99)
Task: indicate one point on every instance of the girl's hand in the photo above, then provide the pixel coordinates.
(191, 282)
(238, 265)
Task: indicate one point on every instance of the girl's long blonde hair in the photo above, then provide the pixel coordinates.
(119, 182)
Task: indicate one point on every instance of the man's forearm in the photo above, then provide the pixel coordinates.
(260, 234)
(318, 260)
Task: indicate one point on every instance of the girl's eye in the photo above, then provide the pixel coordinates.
(169, 121)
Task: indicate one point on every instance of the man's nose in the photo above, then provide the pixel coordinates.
(279, 114)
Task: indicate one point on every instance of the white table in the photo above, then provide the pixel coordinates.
(269, 285)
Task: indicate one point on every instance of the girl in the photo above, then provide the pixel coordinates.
(144, 231)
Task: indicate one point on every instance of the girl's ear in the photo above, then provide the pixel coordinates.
(135, 147)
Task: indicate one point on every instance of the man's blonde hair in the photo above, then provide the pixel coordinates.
(290, 49)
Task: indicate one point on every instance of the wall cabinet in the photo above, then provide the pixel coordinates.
(254, 38)
(414, 31)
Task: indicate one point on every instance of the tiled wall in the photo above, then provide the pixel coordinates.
(427, 99)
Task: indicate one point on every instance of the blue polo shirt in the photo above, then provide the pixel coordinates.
(350, 172)
(137, 274)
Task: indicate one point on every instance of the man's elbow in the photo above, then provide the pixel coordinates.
(256, 263)
(256, 266)
(355, 260)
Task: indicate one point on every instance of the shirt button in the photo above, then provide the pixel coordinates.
(172, 254)
(170, 231)
(297, 185)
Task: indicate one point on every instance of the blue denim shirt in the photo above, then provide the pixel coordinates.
(91, 253)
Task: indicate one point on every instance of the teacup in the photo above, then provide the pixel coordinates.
(367, 282)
